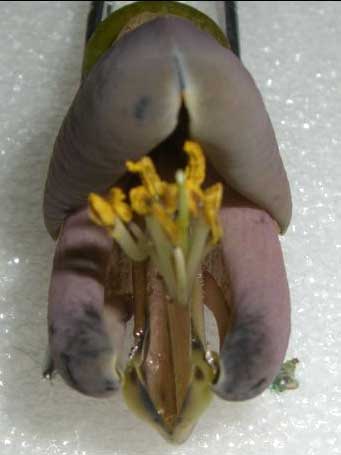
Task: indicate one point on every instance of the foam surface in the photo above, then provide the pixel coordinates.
(293, 51)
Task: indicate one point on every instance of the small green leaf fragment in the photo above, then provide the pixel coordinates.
(285, 380)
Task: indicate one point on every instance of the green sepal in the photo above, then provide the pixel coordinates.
(108, 31)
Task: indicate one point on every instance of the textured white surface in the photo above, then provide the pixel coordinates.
(293, 51)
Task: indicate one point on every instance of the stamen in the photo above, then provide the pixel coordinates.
(213, 198)
(181, 276)
(179, 219)
(199, 239)
(198, 319)
(169, 198)
(166, 222)
(100, 211)
(196, 168)
(140, 200)
(117, 200)
(183, 216)
(123, 237)
(162, 254)
(150, 179)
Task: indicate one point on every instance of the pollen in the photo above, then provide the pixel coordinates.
(101, 211)
(120, 207)
(140, 200)
(150, 178)
(170, 197)
(196, 168)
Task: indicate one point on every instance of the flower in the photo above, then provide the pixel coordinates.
(130, 105)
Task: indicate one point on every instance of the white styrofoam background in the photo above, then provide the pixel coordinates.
(293, 51)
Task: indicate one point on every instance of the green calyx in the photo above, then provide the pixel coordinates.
(109, 30)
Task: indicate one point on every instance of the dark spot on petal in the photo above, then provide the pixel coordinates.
(88, 354)
(88, 340)
(89, 260)
(198, 374)
(133, 376)
(110, 385)
(241, 356)
(92, 314)
(141, 107)
(187, 400)
(94, 353)
(66, 360)
(52, 330)
(258, 384)
(49, 368)
(261, 218)
(148, 404)
(197, 344)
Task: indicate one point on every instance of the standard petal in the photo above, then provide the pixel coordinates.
(228, 117)
(128, 104)
(130, 101)
(254, 349)
(84, 333)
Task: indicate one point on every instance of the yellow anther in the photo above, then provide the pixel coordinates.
(121, 208)
(195, 197)
(212, 202)
(170, 198)
(196, 168)
(101, 211)
(140, 200)
(166, 222)
(154, 197)
(150, 178)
